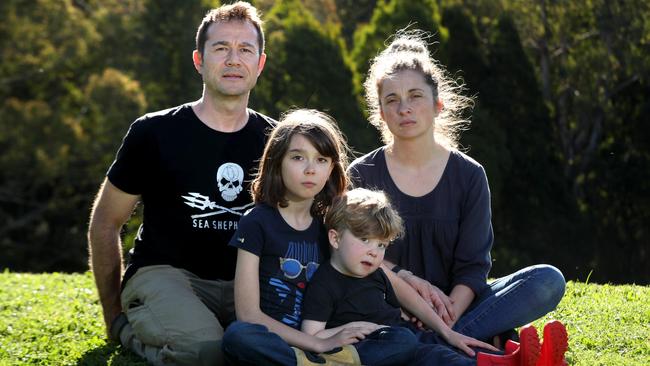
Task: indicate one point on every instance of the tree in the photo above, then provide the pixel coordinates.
(57, 125)
(352, 13)
(590, 59)
(388, 17)
(165, 42)
(38, 74)
(293, 77)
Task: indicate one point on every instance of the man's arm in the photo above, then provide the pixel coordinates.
(111, 209)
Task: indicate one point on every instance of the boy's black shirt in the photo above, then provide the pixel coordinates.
(338, 299)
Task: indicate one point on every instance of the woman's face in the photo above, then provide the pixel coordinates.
(407, 105)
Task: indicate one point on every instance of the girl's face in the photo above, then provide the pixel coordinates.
(356, 257)
(407, 105)
(304, 170)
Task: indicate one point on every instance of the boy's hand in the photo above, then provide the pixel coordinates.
(463, 343)
(437, 299)
(364, 326)
(345, 336)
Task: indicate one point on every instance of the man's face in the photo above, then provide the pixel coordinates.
(231, 60)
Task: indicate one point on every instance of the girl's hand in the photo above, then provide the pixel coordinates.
(345, 336)
(463, 343)
(437, 299)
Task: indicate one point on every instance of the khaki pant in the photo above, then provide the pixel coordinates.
(176, 318)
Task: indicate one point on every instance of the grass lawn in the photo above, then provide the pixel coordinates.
(54, 319)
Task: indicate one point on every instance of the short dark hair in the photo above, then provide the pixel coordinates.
(239, 11)
(322, 131)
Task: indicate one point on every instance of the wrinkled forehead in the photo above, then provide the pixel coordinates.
(403, 80)
(232, 32)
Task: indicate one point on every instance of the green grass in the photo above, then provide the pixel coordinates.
(55, 319)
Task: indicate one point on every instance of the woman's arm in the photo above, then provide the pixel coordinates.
(432, 295)
(472, 260)
(415, 304)
(410, 300)
(461, 297)
(247, 308)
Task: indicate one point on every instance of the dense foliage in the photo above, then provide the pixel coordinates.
(559, 120)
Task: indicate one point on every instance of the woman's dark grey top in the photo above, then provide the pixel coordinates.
(448, 231)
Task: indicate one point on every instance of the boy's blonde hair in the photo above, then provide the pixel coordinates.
(366, 213)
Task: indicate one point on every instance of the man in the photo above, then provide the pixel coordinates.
(190, 166)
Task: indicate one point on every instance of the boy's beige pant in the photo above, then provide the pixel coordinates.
(175, 318)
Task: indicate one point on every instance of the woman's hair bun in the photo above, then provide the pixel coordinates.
(407, 45)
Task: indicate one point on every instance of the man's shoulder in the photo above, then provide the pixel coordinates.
(152, 119)
(261, 121)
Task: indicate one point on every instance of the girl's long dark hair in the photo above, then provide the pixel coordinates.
(322, 131)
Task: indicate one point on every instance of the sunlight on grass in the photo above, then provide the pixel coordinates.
(55, 319)
(607, 325)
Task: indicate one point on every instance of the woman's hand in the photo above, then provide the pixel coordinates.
(437, 299)
(464, 342)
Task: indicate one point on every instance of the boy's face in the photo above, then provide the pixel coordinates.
(356, 257)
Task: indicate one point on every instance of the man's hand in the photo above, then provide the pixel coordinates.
(110, 317)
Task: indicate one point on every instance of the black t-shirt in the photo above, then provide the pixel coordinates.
(338, 299)
(288, 259)
(194, 183)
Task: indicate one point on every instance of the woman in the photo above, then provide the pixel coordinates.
(443, 197)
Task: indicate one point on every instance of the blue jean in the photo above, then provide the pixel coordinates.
(512, 301)
(387, 346)
(433, 350)
(252, 344)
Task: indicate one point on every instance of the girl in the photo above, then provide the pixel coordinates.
(281, 242)
(443, 197)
